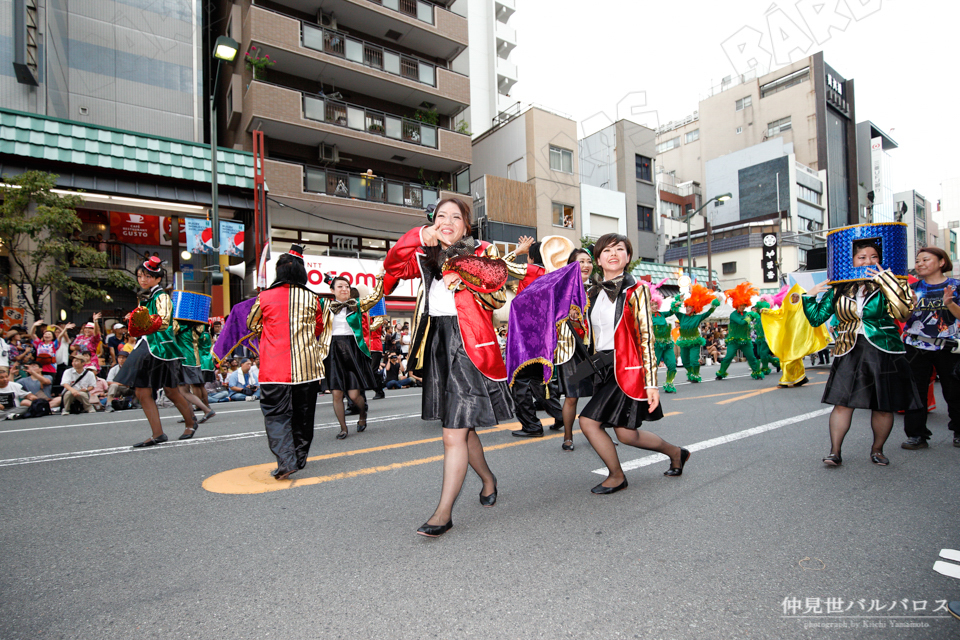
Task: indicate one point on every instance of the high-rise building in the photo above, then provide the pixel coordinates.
(492, 65)
(806, 103)
(357, 105)
(913, 209)
(876, 171)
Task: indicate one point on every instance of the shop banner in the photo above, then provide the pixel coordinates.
(135, 228)
(355, 270)
(166, 235)
(199, 237)
(12, 316)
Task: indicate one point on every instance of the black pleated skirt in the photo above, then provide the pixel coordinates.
(867, 378)
(454, 390)
(143, 370)
(346, 367)
(613, 408)
(191, 375)
(565, 371)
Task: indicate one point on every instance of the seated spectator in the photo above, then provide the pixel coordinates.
(40, 384)
(17, 373)
(396, 374)
(13, 397)
(243, 384)
(114, 389)
(78, 382)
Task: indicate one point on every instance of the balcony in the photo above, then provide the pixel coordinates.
(506, 39)
(311, 119)
(415, 24)
(505, 9)
(305, 50)
(506, 76)
(358, 186)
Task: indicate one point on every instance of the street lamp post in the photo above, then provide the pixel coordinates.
(225, 49)
(721, 198)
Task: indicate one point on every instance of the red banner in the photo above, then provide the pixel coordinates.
(135, 228)
(12, 316)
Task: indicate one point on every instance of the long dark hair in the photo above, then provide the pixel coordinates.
(290, 270)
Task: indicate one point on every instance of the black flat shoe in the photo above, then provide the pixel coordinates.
(362, 427)
(149, 442)
(601, 490)
(877, 457)
(567, 445)
(673, 472)
(527, 434)
(342, 435)
(207, 416)
(557, 426)
(490, 500)
(188, 432)
(435, 530)
(833, 460)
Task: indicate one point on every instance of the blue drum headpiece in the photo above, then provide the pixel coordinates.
(191, 306)
(890, 239)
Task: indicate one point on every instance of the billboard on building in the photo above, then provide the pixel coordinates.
(199, 237)
(876, 163)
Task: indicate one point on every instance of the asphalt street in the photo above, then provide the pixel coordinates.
(755, 540)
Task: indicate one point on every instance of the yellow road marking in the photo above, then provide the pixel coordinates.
(712, 395)
(751, 394)
(257, 478)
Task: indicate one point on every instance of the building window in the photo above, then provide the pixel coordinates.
(691, 136)
(561, 159)
(666, 145)
(644, 168)
(562, 215)
(670, 209)
(462, 181)
(644, 218)
(778, 126)
(729, 268)
(921, 212)
(744, 102)
(808, 194)
(785, 82)
(739, 130)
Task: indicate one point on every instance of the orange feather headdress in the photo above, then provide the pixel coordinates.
(699, 298)
(741, 294)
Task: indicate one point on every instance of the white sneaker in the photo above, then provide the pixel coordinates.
(249, 399)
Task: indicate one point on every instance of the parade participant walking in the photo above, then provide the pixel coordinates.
(348, 367)
(454, 347)
(193, 344)
(932, 336)
(738, 335)
(766, 357)
(663, 334)
(869, 369)
(155, 361)
(625, 393)
(690, 339)
(289, 320)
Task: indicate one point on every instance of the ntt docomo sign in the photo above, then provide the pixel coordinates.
(355, 270)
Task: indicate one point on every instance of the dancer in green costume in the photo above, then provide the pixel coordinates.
(662, 332)
(690, 339)
(766, 356)
(738, 335)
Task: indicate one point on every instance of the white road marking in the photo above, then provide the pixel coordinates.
(175, 415)
(715, 442)
(72, 455)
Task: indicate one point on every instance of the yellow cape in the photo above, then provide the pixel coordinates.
(790, 336)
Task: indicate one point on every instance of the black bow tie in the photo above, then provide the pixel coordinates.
(336, 306)
(612, 287)
(465, 246)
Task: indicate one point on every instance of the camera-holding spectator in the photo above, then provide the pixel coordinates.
(88, 342)
(243, 384)
(39, 384)
(115, 390)
(395, 374)
(13, 397)
(78, 382)
(116, 341)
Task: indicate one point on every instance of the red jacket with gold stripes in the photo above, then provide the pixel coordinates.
(290, 320)
(406, 260)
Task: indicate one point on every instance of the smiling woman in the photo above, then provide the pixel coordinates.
(453, 345)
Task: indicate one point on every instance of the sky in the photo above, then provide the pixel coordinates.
(658, 59)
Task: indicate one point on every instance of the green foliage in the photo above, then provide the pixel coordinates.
(37, 226)
(429, 116)
(464, 128)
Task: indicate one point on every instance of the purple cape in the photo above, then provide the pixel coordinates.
(535, 316)
(235, 331)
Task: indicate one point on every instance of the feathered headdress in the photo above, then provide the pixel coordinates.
(741, 294)
(656, 299)
(699, 298)
(778, 299)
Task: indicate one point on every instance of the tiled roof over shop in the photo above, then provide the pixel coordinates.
(42, 137)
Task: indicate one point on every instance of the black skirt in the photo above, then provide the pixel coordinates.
(867, 378)
(611, 407)
(565, 371)
(191, 375)
(346, 367)
(143, 370)
(454, 390)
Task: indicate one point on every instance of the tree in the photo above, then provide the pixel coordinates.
(37, 226)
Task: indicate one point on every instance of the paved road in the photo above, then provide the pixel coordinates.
(100, 541)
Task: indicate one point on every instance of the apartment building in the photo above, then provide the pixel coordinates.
(876, 172)
(807, 104)
(357, 110)
(621, 157)
(533, 154)
(913, 209)
(492, 62)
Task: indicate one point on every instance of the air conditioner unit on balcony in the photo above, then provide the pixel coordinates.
(326, 20)
(329, 153)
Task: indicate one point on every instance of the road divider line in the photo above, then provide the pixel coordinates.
(716, 442)
(750, 394)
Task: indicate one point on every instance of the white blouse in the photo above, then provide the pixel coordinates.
(340, 325)
(440, 300)
(602, 322)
